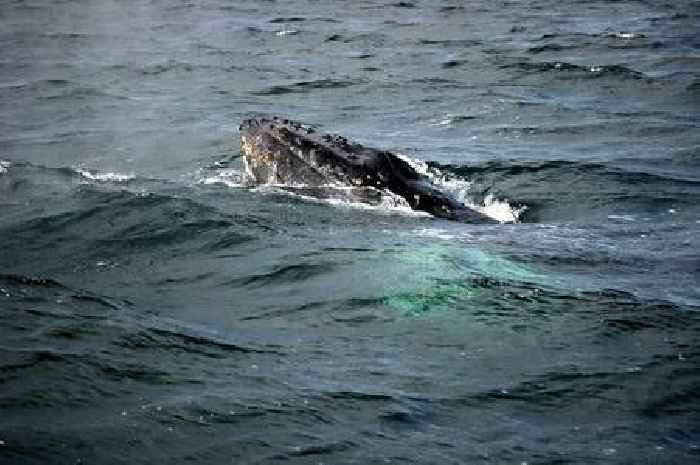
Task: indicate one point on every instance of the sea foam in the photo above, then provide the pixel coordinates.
(105, 176)
(498, 209)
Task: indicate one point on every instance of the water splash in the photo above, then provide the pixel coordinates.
(352, 197)
(286, 32)
(501, 210)
(229, 177)
(105, 177)
(498, 209)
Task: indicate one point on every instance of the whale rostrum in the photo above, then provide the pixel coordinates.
(285, 152)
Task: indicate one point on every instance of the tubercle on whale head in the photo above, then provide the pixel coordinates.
(275, 123)
(299, 139)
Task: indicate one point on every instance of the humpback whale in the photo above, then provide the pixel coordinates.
(286, 152)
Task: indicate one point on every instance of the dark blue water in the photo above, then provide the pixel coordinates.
(157, 308)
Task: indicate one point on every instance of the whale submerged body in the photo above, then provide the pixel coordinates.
(285, 152)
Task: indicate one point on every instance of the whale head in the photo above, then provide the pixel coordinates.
(281, 151)
(284, 152)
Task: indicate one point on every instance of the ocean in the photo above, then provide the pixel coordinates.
(157, 307)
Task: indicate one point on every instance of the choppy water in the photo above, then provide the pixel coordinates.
(156, 309)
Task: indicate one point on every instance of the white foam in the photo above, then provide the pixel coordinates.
(387, 205)
(389, 202)
(441, 122)
(447, 120)
(105, 177)
(419, 165)
(499, 210)
(435, 233)
(4, 165)
(229, 177)
(622, 217)
(626, 35)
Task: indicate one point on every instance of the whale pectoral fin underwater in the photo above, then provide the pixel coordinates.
(285, 152)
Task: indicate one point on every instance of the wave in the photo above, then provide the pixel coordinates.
(80, 93)
(618, 129)
(499, 292)
(564, 70)
(66, 35)
(560, 190)
(453, 63)
(101, 229)
(403, 5)
(550, 48)
(350, 311)
(452, 120)
(368, 40)
(459, 43)
(168, 66)
(185, 340)
(443, 83)
(58, 89)
(285, 275)
(334, 38)
(288, 19)
(133, 355)
(30, 281)
(590, 42)
(514, 167)
(308, 86)
(49, 296)
(679, 165)
(64, 175)
(37, 85)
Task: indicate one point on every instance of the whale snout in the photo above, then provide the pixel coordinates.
(274, 125)
(248, 125)
(269, 124)
(280, 151)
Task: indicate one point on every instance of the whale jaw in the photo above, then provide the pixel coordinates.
(284, 152)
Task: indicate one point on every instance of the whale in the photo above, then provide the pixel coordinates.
(284, 152)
